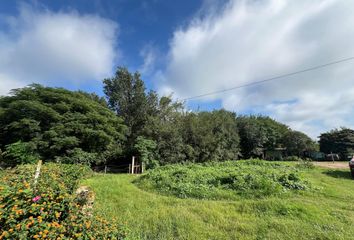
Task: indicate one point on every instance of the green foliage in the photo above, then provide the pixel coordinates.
(126, 96)
(339, 141)
(227, 180)
(252, 137)
(58, 123)
(164, 127)
(78, 156)
(193, 136)
(292, 159)
(78, 127)
(297, 143)
(302, 163)
(48, 209)
(323, 213)
(146, 150)
(258, 133)
(20, 153)
(305, 163)
(179, 136)
(211, 136)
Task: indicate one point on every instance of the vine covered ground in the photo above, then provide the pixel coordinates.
(224, 180)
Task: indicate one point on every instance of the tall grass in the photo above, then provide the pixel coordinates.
(327, 213)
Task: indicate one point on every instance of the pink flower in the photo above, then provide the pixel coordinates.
(35, 199)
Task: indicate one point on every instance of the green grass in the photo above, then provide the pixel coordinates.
(326, 213)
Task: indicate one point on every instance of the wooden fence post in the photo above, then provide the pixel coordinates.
(133, 164)
(38, 170)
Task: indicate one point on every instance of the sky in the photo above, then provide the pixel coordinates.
(191, 47)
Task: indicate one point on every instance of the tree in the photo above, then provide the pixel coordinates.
(126, 96)
(340, 141)
(211, 136)
(59, 123)
(273, 130)
(296, 143)
(260, 133)
(253, 136)
(146, 149)
(164, 127)
(178, 135)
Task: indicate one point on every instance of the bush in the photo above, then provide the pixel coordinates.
(227, 180)
(20, 153)
(305, 163)
(147, 151)
(292, 159)
(78, 156)
(49, 209)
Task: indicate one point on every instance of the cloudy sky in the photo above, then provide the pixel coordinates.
(190, 48)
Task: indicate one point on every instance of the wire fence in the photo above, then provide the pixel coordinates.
(112, 168)
(124, 168)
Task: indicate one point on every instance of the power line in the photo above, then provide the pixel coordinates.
(272, 78)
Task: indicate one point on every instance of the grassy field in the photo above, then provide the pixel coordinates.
(324, 213)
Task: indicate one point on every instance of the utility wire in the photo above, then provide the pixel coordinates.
(272, 78)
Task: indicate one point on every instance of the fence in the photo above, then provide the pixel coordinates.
(134, 168)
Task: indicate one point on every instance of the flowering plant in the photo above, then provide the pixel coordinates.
(49, 209)
(35, 199)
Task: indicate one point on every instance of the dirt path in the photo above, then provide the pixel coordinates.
(332, 165)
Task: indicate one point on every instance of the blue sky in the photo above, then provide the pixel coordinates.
(190, 48)
(141, 23)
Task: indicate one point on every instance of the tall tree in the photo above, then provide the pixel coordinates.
(126, 96)
(340, 141)
(164, 127)
(274, 131)
(253, 136)
(211, 136)
(296, 143)
(260, 133)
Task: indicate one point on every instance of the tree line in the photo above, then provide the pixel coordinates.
(55, 124)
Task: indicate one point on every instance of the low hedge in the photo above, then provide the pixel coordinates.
(49, 210)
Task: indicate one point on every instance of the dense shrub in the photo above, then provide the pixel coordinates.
(292, 159)
(20, 153)
(49, 209)
(302, 163)
(305, 163)
(78, 156)
(59, 124)
(146, 149)
(227, 180)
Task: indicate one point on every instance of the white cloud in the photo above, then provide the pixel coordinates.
(54, 47)
(149, 54)
(248, 41)
(7, 84)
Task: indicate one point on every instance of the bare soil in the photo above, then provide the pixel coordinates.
(333, 165)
